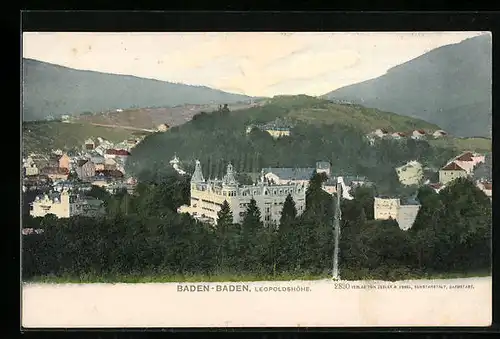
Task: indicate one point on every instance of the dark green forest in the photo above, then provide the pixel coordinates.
(220, 137)
(143, 235)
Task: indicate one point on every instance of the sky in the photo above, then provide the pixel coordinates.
(250, 63)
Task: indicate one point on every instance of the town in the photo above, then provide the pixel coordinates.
(65, 177)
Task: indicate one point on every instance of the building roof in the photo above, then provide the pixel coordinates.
(117, 152)
(467, 156)
(452, 167)
(420, 131)
(436, 185)
(55, 170)
(288, 173)
(488, 186)
(81, 162)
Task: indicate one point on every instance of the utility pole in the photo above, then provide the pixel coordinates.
(336, 229)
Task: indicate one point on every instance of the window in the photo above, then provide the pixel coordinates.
(281, 191)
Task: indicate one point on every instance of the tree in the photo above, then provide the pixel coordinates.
(288, 213)
(252, 219)
(224, 217)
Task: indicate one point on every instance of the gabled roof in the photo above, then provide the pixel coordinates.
(467, 156)
(452, 167)
(81, 162)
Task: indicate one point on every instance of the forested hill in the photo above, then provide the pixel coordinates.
(53, 90)
(450, 86)
(321, 131)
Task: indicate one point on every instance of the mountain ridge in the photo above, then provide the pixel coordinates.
(55, 90)
(446, 79)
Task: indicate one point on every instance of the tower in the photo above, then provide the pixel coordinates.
(197, 176)
(229, 178)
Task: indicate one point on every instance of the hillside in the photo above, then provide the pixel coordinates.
(149, 118)
(43, 136)
(321, 131)
(450, 86)
(55, 90)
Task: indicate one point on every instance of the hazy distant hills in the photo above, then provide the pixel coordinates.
(52, 90)
(450, 86)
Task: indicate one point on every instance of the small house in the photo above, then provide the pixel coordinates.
(439, 134)
(451, 172)
(418, 134)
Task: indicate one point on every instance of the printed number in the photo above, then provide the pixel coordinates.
(343, 286)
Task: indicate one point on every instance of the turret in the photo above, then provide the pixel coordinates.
(229, 178)
(197, 174)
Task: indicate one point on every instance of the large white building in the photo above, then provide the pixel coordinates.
(207, 197)
(65, 205)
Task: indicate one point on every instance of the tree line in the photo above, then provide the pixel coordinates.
(142, 234)
(220, 137)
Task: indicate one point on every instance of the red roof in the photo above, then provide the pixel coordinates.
(452, 167)
(400, 134)
(465, 157)
(421, 131)
(117, 152)
(436, 185)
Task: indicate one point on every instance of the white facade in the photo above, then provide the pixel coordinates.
(64, 206)
(207, 197)
(391, 208)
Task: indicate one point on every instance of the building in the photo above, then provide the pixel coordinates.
(286, 175)
(324, 167)
(64, 161)
(484, 170)
(55, 173)
(85, 169)
(162, 127)
(469, 160)
(437, 187)
(410, 173)
(65, 205)
(65, 118)
(207, 197)
(89, 144)
(276, 129)
(116, 153)
(30, 168)
(380, 132)
(392, 208)
(277, 132)
(451, 172)
(486, 187)
(347, 182)
(418, 134)
(439, 134)
(398, 135)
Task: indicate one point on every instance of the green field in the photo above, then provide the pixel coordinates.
(462, 144)
(42, 137)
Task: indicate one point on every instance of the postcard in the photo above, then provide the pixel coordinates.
(256, 179)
